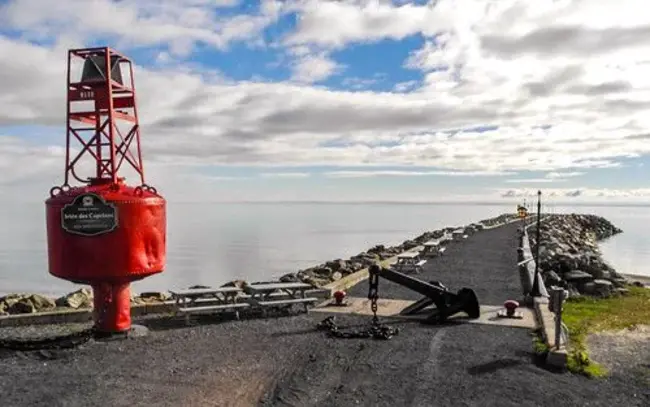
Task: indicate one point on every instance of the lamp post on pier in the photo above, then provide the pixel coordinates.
(536, 290)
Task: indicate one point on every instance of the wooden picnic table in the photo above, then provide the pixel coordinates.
(222, 299)
(260, 294)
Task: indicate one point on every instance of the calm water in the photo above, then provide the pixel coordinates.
(213, 243)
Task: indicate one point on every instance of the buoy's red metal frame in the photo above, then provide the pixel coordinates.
(104, 232)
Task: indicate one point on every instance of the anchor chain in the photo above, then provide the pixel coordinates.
(376, 330)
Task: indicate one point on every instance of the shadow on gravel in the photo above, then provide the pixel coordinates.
(493, 366)
(40, 355)
(171, 322)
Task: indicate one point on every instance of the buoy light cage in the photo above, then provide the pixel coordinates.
(104, 233)
(522, 211)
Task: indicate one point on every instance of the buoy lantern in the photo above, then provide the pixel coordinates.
(522, 212)
(105, 233)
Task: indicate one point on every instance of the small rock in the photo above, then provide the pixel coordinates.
(336, 265)
(316, 282)
(336, 276)
(234, 283)
(621, 291)
(289, 278)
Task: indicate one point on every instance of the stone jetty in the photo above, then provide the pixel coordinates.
(569, 256)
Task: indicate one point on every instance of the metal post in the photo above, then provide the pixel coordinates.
(558, 320)
(558, 295)
(536, 291)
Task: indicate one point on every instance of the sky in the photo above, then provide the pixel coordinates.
(367, 100)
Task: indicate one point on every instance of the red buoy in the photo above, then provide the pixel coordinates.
(105, 233)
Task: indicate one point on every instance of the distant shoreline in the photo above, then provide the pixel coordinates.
(545, 205)
(636, 277)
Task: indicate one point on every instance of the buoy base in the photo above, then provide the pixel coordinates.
(135, 331)
(510, 315)
(112, 308)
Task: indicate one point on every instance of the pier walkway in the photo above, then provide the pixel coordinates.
(286, 362)
(452, 365)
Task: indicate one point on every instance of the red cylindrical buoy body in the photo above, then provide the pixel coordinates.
(107, 236)
(106, 233)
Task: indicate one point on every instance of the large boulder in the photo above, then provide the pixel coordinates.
(577, 275)
(336, 265)
(235, 283)
(82, 298)
(290, 278)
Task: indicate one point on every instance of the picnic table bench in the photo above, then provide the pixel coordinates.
(218, 299)
(432, 248)
(409, 262)
(262, 295)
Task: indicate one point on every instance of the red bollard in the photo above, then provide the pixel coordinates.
(511, 307)
(339, 296)
(510, 310)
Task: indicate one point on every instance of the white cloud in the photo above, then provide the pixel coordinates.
(563, 175)
(285, 175)
(564, 82)
(590, 194)
(548, 178)
(179, 24)
(533, 180)
(386, 173)
(313, 68)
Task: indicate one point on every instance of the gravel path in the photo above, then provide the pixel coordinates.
(285, 362)
(485, 262)
(623, 351)
(214, 364)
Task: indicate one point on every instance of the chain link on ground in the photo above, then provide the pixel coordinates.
(376, 330)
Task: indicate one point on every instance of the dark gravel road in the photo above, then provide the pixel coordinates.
(453, 365)
(485, 262)
(285, 362)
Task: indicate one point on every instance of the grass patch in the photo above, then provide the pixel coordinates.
(586, 315)
(539, 347)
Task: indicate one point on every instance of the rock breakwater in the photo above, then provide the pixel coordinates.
(569, 255)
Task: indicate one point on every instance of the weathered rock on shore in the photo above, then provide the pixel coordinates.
(317, 276)
(13, 304)
(569, 256)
